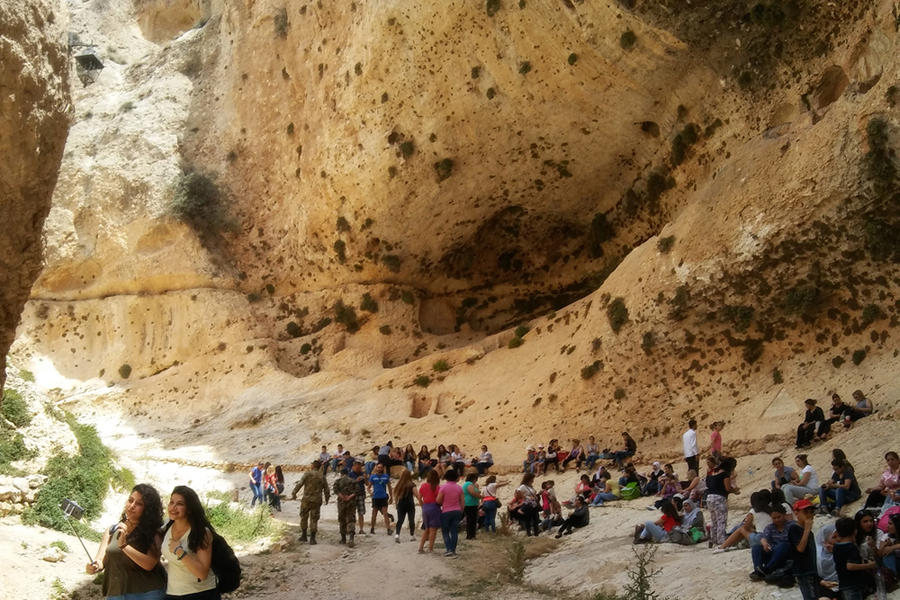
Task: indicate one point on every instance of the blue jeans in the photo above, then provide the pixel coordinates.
(335, 463)
(256, 488)
(769, 561)
(482, 467)
(490, 515)
(370, 466)
(852, 593)
(602, 497)
(621, 455)
(837, 497)
(151, 595)
(450, 528)
(589, 461)
(653, 531)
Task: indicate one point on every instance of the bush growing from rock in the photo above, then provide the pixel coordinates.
(617, 313)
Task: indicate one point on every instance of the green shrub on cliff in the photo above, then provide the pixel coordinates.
(198, 201)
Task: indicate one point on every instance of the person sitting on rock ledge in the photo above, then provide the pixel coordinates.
(485, 461)
(628, 450)
(580, 517)
(813, 425)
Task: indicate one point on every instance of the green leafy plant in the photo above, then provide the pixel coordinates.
(346, 316)
(125, 371)
(573, 58)
(197, 201)
(617, 313)
(14, 408)
(293, 329)
(738, 315)
(342, 224)
(305, 348)
(777, 378)
(521, 330)
(238, 524)
(524, 67)
(368, 303)
(392, 262)
(443, 168)
(837, 361)
(619, 393)
(440, 366)
(281, 23)
(590, 370)
(422, 380)
(858, 356)
(407, 148)
(515, 342)
(664, 245)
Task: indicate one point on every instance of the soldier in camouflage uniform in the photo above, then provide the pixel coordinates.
(345, 491)
(314, 485)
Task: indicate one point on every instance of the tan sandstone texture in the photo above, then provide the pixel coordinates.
(698, 220)
(34, 121)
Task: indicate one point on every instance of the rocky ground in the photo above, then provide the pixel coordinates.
(590, 561)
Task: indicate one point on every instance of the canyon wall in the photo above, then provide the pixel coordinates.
(505, 220)
(34, 121)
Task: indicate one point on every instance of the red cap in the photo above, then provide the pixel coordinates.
(802, 505)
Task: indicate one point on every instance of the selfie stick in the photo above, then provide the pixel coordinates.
(71, 509)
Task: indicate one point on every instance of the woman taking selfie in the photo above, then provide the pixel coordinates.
(129, 552)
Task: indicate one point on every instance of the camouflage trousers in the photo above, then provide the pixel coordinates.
(347, 517)
(309, 511)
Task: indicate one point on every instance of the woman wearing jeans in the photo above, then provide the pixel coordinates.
(450, 497)
(490, 503)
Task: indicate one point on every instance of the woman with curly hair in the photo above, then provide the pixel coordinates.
(187, 547)
(129, 552)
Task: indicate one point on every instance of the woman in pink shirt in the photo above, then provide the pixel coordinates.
(715, 438)
(450, 497)
(431, 512)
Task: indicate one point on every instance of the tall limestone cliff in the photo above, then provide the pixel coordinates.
(34, 121)
(506, 219)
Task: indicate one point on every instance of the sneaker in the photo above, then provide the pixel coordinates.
(390, 531)
(397, 538)
(372, 531)
(421, 551)
(412, 538)
(719, 550)
(448, 553)
(757, 575)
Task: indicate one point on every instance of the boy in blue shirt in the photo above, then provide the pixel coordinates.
(380, 483)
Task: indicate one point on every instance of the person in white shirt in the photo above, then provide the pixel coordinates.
(691, 450)
(808, 482)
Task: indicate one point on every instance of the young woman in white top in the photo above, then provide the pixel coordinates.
(187, 546)
(808, 482)
(530, 507)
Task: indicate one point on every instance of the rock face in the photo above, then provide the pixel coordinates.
(689, 214)
(34, 121)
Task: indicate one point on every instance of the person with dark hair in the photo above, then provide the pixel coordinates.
(358, 476)
(431, 511)
(410, 458)
(591, 453)
(271, 486)
(854, 574)
(889, 544)
(580, 517)
(380, 483)
(471, 497)
(837, 413)
(774, 547)
(551, 458)
(450, 497)
(841, 489)
(405, 496)
(803, 549)
(490, 502)
(257, 474)
(863, 406)
(187, 548)
(425, 461)
(813, 424)
(689, 444)
(529, 509)
(485, 461)
(628, 450)
(807, 481)
(576, 454)
(345, 491)
(129, 551)
(457, 459)
(783, 474)
(754, 523)
(719, 486)
(887, 492)
(715, 437)
(657, 531)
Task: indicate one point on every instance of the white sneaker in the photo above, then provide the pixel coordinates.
(397, 538)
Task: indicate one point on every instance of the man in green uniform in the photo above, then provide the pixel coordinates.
(314, 485)
(345, 491)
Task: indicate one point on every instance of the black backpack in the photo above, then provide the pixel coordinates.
(223, 563)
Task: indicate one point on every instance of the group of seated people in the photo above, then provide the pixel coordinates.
(853, 556)
(816, 426)
(539, 460)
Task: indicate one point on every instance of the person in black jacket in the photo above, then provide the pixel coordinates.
(579, 518)
(813, 420)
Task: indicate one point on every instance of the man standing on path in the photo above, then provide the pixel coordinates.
(381, 496)
(691, 450)
(314, 485)
(345, 491)
(359, 480)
